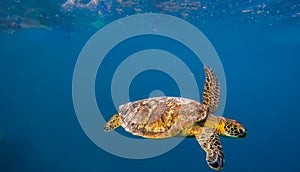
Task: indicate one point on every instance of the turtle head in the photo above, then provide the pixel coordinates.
(231, 128)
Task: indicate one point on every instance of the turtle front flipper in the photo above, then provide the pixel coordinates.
(211, 94)
(210, 143)
(113, 123)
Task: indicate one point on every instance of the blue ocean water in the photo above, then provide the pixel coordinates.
(258, 44)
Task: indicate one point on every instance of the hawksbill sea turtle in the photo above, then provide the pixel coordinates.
(165, 117)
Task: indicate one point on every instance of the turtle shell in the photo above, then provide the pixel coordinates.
(160, 117)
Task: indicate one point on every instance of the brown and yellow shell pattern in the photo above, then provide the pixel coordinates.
(160, 117)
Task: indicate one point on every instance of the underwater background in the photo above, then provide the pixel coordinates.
(258, 42)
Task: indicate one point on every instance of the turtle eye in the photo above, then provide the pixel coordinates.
(243, 133)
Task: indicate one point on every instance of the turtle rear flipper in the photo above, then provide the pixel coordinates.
(113, 123)
(211, 94)
(210, 143)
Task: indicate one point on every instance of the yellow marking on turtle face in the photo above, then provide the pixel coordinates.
(231, 128)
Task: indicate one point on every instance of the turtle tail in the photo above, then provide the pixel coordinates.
(113, 123)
